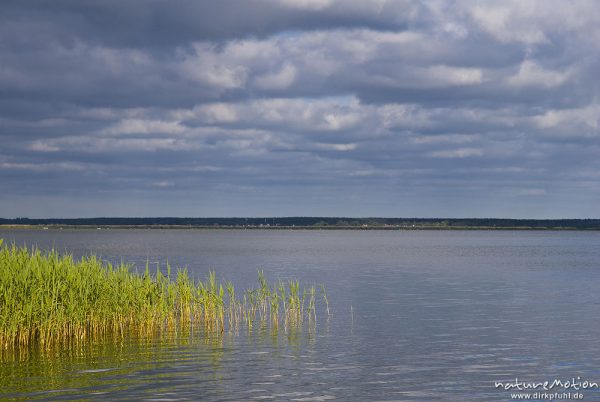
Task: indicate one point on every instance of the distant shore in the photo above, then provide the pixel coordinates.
(266, 227)
(305, 223)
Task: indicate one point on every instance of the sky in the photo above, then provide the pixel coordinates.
(300, 108)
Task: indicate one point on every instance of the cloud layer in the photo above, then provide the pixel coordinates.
(305, 107)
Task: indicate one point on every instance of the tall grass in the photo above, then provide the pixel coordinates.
(48, 299)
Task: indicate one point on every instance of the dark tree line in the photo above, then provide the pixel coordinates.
(318, 222)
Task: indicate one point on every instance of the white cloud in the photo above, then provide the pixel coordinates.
(212, 113)
(306, 4)
(164, 184)
(443, 138)
(509, 21)
(208, 66)
(277, 80)
(43, 146)
(588, 116)
(456, 153)
(301, 114)
(44, 167)
(340, 121)
(532, 74)
(104, 144)
(141, 126)
(337, 147)
(451, 76)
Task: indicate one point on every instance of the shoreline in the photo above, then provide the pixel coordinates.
(279, 227)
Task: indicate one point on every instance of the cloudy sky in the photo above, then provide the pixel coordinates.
(300, 107)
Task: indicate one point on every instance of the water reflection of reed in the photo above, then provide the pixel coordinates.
(113, 364)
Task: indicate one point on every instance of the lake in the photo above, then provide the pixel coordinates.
(416, 315)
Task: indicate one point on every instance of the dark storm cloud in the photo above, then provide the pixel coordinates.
(160, 23)
(299, 107)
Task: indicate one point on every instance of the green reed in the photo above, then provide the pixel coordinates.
(48, 299)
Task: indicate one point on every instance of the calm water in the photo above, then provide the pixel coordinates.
(417, 315)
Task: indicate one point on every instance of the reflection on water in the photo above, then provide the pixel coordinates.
(415, 316)
(153, 368)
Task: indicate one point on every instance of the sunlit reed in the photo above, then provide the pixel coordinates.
(49, 299)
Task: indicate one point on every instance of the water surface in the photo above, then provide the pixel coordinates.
(417, 315)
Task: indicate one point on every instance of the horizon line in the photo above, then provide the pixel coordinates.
(292, 217)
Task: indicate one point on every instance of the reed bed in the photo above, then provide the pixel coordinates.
(49, 299)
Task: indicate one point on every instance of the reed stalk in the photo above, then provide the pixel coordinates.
(48, 299)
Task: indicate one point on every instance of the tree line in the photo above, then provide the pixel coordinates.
(317, 222)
